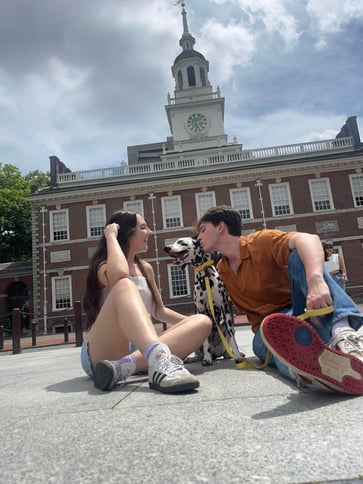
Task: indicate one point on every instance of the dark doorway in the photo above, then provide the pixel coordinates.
(18, 298)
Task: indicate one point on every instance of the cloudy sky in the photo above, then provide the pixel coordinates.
(83, 79)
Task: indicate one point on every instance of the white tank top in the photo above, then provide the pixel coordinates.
(332, 264)
(144, 290)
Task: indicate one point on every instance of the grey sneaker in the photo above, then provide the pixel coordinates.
(167, 373)
(349, 341)
(107, 374)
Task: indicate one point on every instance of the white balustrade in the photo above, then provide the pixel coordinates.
(244, 156)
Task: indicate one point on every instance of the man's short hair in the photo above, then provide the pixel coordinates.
(223, 213)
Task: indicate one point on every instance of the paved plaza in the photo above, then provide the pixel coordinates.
(241, 426)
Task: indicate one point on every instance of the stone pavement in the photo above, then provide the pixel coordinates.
(241, 426)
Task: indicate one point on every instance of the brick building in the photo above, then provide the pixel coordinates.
(315, 187)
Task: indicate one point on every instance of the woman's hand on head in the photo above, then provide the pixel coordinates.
(111, 230)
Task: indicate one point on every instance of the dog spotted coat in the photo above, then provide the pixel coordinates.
(187, 250)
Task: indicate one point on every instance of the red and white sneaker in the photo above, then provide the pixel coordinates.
(349, 341)
(297, 344)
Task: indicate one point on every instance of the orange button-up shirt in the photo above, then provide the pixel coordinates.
(261, 286)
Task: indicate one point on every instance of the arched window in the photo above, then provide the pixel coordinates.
(191, 76)
(180, 80)
(202, 76)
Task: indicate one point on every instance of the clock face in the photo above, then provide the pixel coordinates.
(196, 123)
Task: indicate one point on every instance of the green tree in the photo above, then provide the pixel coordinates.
(15, 212)
(38, 178)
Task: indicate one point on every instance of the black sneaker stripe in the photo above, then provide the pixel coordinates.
(158, 377)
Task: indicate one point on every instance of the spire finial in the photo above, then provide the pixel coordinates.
(187, 41)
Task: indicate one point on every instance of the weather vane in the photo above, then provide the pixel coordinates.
(180, 2)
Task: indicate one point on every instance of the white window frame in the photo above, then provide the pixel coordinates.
(172, 269)
(316, 198)
(244, 205)
(177, 213)
(135, 206)
(52, 215)
(96, 226)
(280, 200)
(56, 292)
(356, 185)
(204, 201)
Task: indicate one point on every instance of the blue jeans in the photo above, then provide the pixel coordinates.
(343, 307)
(338, 280)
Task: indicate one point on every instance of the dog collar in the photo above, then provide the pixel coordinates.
(209, 262)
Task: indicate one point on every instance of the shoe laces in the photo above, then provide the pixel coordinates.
(170, 364)
(349, 342)
(357, 341)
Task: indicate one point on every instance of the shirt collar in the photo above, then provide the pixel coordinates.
(223, 265)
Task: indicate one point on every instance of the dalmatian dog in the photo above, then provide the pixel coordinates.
(187, 250)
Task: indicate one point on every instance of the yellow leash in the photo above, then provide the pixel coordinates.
(245, 363)
(308, 313)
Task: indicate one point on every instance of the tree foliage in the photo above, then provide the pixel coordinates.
(15, 212)
(38, 179)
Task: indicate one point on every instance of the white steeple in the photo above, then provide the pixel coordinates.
(196, 113)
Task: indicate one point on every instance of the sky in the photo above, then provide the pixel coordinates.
(84, 79)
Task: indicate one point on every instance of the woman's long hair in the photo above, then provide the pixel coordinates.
(326, 257)
(127, 222)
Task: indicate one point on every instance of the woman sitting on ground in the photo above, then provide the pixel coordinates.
(121, 293)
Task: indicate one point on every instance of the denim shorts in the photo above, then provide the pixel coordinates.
(85, 360)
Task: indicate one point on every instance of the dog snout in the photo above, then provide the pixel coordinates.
(167, 249)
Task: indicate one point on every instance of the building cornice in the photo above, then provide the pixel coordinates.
(207, 177)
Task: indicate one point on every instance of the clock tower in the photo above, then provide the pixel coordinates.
(195, 113)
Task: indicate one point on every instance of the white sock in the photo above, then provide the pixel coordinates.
(127, 361)
(339, 326)
(150, 348)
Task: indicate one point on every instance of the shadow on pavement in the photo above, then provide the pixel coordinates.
(302, 402)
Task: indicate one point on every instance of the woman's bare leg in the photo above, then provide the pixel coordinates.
(182, 339)
(123, 318)
(188, 335)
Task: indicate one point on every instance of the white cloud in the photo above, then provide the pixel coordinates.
(275, 17)
(286, 126)
(332, 17)
(272, 14)
(84, 83)
(226, 47)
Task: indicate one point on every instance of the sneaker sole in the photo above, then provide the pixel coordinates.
(105, 376)
(298, 345)
(313, 384)
(179, 388)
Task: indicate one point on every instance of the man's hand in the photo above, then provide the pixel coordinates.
(318, 294)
